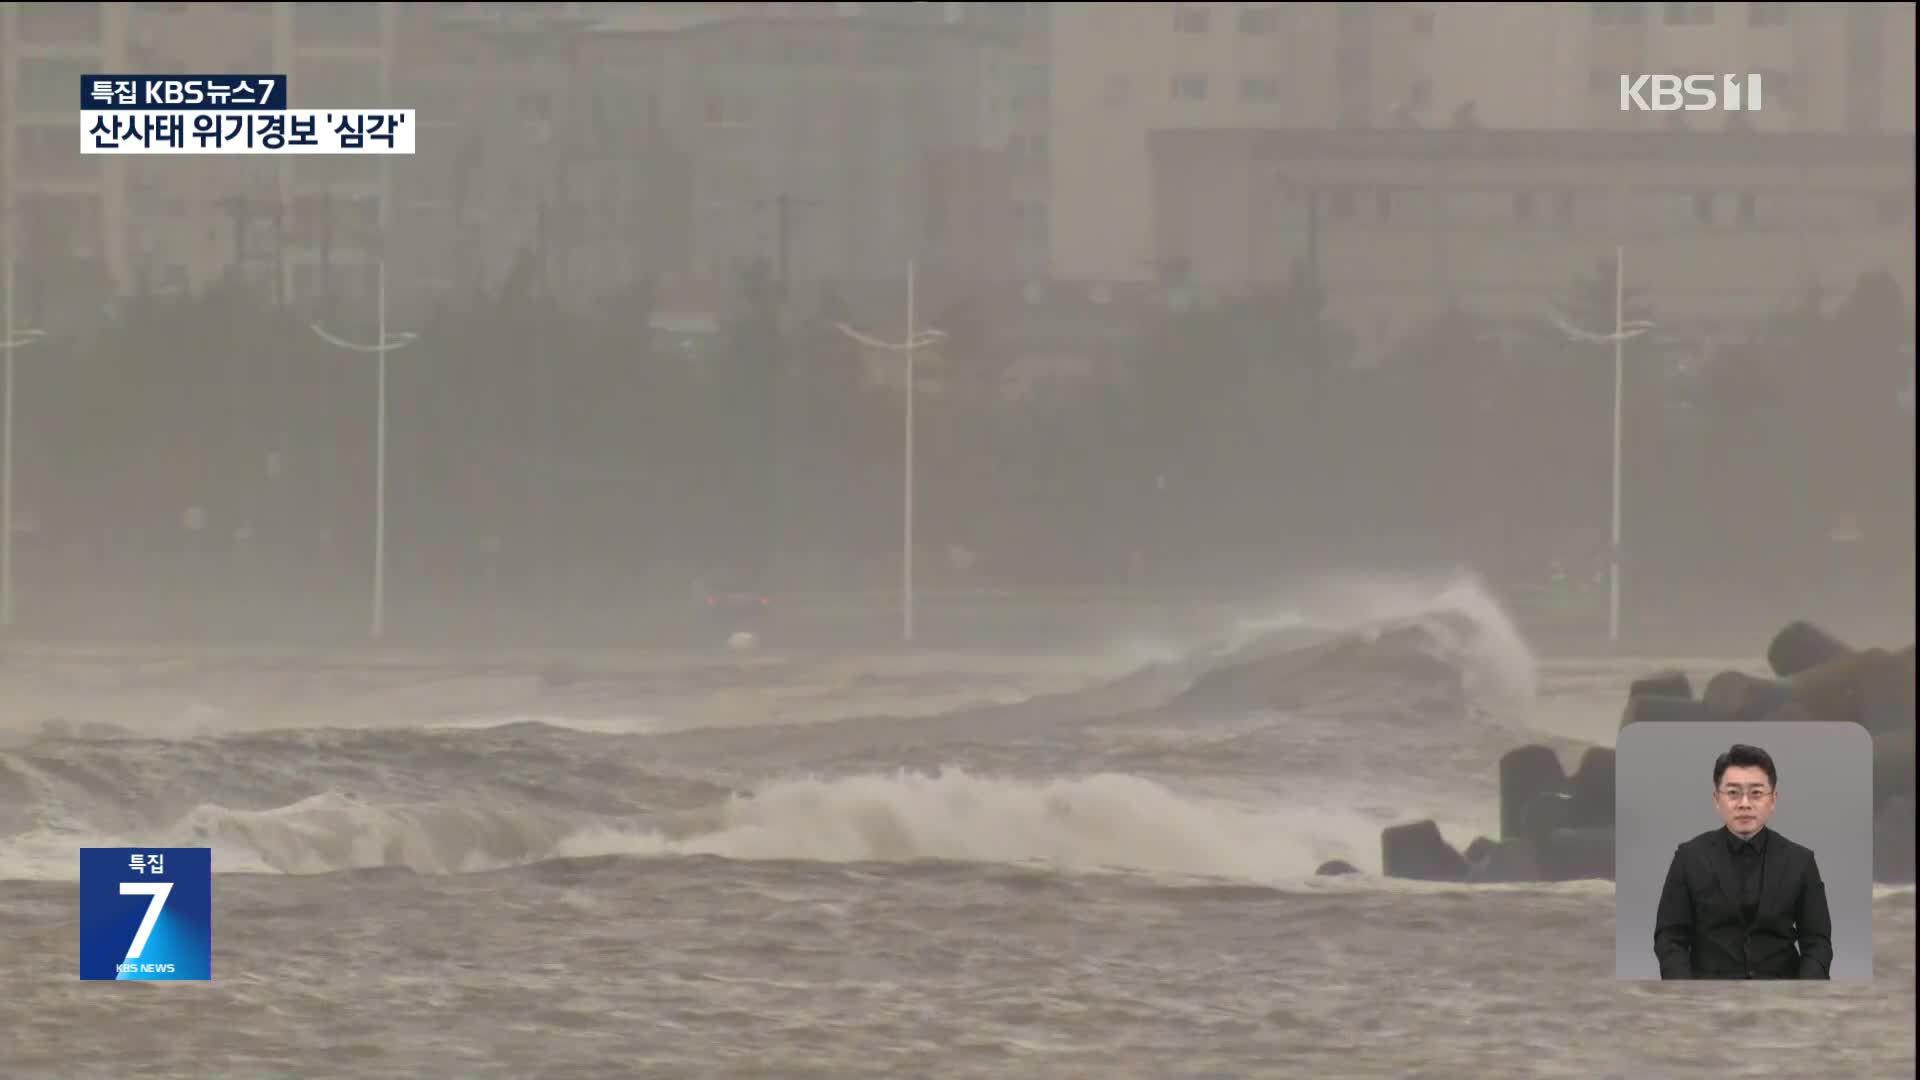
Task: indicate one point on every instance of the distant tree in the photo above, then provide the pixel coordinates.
(974, 366)
(1588, 302)
(1440, 430)
(1863, 435)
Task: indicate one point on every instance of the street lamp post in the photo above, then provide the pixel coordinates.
(386, 344)
(915, 339)
(1622, 330)
(10, 339)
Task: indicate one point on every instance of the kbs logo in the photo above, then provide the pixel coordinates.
(1689, 93)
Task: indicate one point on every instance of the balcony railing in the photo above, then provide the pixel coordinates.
(337, 25)
(65, 24)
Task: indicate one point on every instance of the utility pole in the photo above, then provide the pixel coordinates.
(784, 205)
(238, 208)
(11, 339)
(326, 254)
(1313, 230)
(279, 252)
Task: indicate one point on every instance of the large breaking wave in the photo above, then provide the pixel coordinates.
(1126, 774)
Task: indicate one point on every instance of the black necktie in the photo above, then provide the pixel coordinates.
(1746, 860)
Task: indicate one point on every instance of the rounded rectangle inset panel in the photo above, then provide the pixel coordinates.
(1744, 850)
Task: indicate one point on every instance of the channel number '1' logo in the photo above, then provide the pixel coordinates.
(1690, 93)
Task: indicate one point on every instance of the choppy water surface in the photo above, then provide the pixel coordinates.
(935, 867)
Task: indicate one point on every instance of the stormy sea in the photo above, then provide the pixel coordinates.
(922, 865)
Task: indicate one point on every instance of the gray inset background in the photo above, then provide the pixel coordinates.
(1664, 793)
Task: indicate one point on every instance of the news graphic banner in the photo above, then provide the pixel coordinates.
(146, 913)
(226, 114)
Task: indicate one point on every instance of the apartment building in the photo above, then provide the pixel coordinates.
(607, 142)
(1122, 70)
(837, 149)
(87, 226)
(1720, 230)
(1119, 71)
(55, 205)
(1826, 67)
(492, 93)
(336, 55)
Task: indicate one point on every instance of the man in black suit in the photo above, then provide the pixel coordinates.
(1743, 901)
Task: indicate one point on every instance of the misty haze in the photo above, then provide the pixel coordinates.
(948, 539)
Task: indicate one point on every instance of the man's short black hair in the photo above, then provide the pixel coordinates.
(1743, 756)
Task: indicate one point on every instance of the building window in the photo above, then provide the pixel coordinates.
(1190, 20)
(1689, 14)
(1616, 14)
(1563, 204)
(1030, 89)
(1190, 88)
(337, 23)
(1703, 207)
(726, 110)
(1254, 21)
(1029, 145)
(1260, 91)
(1030, 218)
(340, 84)
(1523, 206)
(1776, 88)
(1766, 14)
(51, 84)
(75, 23)
(1420, 93)
(1743, 210)
(50, 152)
(60, 225)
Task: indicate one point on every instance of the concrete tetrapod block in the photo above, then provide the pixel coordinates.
(1578, 855)
(1662, 684)
(1478, 850)
(1525, 772)
(1873, 688)
(1643, 710)
(1736, 695)
(1592, 805)
(1887, 695)
(1893, 843)
(1801, 646)
(1509, 862)
(1418, 852)
(1893, 767)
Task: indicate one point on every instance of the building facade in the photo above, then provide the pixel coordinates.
(86, 226)
(1720, 229)
(612, 142)
(1119, 71)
